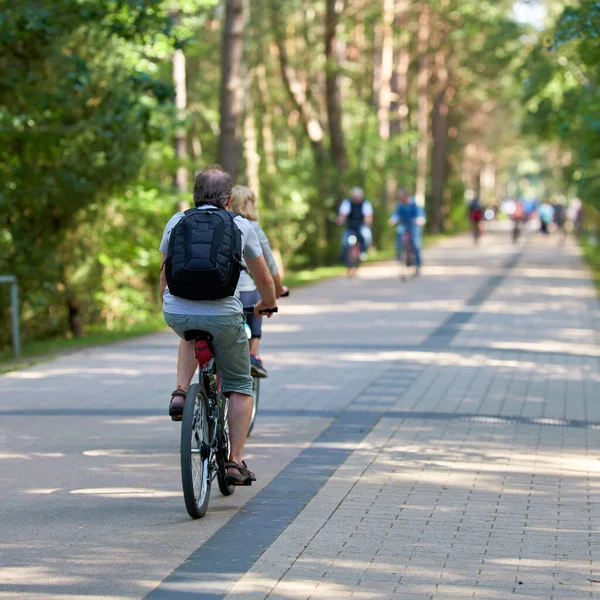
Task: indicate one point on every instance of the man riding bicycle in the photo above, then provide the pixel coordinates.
(356, 214)
(222, 318)
(408, 218)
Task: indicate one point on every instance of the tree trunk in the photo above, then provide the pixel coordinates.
(251, 154)
(439, 117)
(295, 89)
(438, 172)
(260, 91)
(423, 103)
(180, 179)
(267, 127)
(75, 323)
(385, 77)
(384, 100)
(333, 94)
(179, 81)
(231, 86)
(399, 106)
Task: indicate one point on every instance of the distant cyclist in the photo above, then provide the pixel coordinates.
(409, 219)
(476, 218)
(356, 214)
(518, 218)
(560, 218)
(546, 215)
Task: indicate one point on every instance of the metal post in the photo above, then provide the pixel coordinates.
(14, 302)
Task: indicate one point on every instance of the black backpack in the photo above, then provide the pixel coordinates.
(204, 258)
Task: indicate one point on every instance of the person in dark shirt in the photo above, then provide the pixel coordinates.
(356, 214)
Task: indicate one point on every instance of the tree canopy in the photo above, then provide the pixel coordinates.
(108, 106)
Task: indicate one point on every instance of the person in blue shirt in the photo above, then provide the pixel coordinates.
(409, 217)
(546, 214)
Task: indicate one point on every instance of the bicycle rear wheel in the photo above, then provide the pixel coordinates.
(255, 396)
(195, 452)
(352, 255)
(223, 451)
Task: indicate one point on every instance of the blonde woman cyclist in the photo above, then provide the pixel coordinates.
(243, 203)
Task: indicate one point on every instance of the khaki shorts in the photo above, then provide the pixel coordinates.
(230, 343)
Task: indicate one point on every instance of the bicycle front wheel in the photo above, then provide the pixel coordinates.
(195, 452)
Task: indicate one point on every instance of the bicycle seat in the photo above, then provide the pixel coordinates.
(197, 334)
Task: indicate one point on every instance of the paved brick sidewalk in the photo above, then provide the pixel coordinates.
(482, 479)
(433, 439)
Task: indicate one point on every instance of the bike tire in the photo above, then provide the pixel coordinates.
(222, 455)
(353, 257)
(195, 452)
(255, 397)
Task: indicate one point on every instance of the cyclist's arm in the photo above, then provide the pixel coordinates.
(263, 280)
(267, 251)
(343, 212)
(368, 213)
(163, 276)
(280, 289)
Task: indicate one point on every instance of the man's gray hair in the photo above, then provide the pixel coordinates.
(212, 186)
(357, 190)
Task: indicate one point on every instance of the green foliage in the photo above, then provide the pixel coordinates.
(79, 103)
(561, 95)
(87, 120)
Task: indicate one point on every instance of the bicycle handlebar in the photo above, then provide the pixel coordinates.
(249, 310)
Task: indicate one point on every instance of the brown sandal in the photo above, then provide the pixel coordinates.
(245, 477)
(176, 408)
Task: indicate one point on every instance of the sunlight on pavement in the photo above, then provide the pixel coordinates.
(549, 346)
(35, 575)
(126, 493)
(29, 455)
(43, 372)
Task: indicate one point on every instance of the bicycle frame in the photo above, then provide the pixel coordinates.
(210, 378)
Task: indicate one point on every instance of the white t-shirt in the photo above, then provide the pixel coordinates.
(226, 306)
(246, 283)
(346, 207)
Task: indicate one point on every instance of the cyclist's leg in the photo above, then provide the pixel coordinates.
(418, 244)
(417, 251)
(186, 358)
(399, 244)
(366, 238)
(233, 359)
(255, 323)
(345, 237)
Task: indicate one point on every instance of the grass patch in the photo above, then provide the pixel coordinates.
(296, 279)
(591, 252)
(38, 351)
